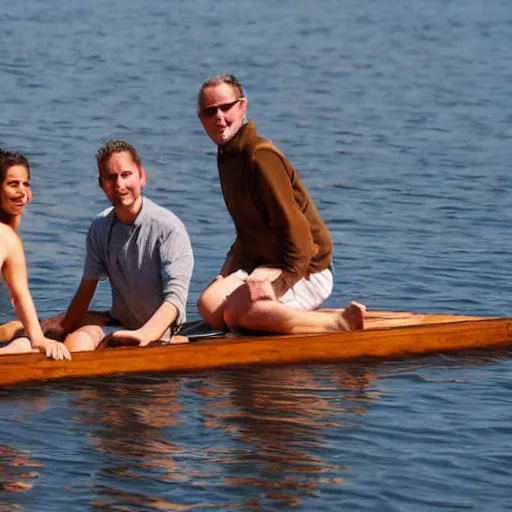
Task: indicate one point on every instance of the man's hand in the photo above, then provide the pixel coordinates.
(178, 340)
(260, 290)
(52, 327)
(137, 338)
(260, 283)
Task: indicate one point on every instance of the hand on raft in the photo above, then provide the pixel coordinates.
(53, 349)
(137, 339)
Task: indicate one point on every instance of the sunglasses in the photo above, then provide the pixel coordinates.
(225, 107)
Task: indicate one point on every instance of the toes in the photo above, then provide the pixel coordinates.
(358, 305)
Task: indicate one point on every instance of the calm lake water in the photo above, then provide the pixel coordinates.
(398, 117)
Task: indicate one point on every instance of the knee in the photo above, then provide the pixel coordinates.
(232, 318)
(207, 312)
(237, 313)
(18, 346)
(22, 345)
(212, 302)
(203, 305)
(84, 339)
(74, 341)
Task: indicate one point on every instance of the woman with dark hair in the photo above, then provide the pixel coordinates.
(15, 194)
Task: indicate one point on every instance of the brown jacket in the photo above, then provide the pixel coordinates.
(277, 223)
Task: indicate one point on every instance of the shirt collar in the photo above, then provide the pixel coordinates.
(140, 216)
(240, 140)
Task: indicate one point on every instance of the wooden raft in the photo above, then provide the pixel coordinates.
(388, 335)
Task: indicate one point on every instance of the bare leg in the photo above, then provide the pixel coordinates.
(272, 316)
(212, 301)
(18, 346)
(52, 326)
(353, 317)
(9, 330)
(84, 339)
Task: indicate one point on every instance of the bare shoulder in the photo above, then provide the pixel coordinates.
(10, 239)
(7, 234)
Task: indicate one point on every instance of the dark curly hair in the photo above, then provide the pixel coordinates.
(10, 158)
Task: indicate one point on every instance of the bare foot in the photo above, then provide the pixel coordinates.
(351, 318)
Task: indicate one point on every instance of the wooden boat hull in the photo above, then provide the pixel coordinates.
(404, 337)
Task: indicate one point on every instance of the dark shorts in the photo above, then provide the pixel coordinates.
(111, 325)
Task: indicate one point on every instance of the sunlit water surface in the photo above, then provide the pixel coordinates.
(398, 117)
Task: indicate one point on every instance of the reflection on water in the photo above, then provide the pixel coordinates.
(18, 474)
(129, 433)
(399, 123)
(18, 471)
(272, 435)
(280, 429)
(236, 440)
(253, 439)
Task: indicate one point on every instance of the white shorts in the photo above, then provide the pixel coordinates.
(306, 294)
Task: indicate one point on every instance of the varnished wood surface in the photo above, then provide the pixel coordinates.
(408, 335)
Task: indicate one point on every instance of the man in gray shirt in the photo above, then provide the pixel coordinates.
(144, 251)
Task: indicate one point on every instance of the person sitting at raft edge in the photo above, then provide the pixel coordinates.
(278, 270)
(15, 194)
(145, 252)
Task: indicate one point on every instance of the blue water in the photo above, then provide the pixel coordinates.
(398, 117)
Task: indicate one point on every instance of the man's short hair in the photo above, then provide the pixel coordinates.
(115, 146)
(226, 78)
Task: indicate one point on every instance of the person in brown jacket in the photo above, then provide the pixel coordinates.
(278, 270)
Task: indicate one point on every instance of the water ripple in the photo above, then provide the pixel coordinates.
(399, 122)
